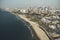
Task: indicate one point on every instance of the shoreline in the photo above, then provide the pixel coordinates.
(39, 32)
(34, 36)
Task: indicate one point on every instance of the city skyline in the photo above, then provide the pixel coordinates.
(29, 3)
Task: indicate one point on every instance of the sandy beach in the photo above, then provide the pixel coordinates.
(39, 32)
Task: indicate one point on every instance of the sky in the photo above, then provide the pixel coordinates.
(29, 3)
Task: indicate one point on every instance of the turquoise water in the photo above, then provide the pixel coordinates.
(11, 28)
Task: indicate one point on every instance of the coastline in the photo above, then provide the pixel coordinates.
(34, 36)
(38, 31)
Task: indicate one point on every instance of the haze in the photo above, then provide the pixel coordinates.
(28, 3)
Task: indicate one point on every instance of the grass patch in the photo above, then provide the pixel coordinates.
(28, 16)
(34, 20)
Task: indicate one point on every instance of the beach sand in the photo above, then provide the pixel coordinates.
(39, 32)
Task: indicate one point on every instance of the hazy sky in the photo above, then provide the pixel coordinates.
(27, 3)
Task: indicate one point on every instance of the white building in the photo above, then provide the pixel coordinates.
(24, 11)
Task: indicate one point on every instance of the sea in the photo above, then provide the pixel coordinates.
(12, 28)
